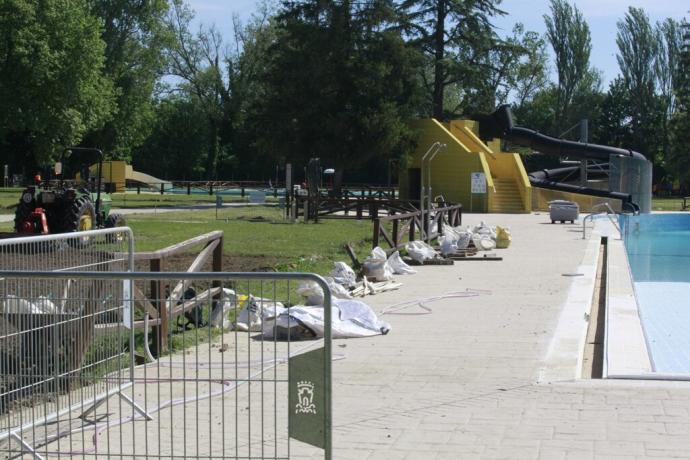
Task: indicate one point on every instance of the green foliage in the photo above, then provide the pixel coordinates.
(637, 55)
(134, 37)
(339, 84)
(569, 35)
(679, 155)
(177, 146)
(453, 36)
(51, 83)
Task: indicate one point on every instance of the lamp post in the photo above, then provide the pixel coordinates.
(426, 160)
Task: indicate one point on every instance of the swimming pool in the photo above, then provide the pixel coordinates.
(658, 250)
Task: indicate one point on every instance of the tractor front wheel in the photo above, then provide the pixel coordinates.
(115, 220)
(112, 221)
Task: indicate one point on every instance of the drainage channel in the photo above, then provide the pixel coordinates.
(593, 355)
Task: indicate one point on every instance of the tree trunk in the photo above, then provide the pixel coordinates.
(212, 159)
(439, 48)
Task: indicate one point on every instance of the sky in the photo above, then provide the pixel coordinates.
(601, 15)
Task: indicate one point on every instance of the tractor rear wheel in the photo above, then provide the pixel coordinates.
(80, 216)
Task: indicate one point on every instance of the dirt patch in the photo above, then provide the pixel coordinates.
(231, 263)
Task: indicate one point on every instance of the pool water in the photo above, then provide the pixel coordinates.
(658, 248)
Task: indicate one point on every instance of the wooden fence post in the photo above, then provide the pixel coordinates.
(160, 333)
(377, 232)
(395, 233)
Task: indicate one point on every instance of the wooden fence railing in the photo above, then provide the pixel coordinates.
(411, 225)
(163, 296)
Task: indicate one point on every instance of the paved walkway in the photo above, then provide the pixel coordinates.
(461, 382)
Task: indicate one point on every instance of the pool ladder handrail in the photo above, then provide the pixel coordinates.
(607, 212)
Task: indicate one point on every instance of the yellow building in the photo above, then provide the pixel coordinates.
(507, 186)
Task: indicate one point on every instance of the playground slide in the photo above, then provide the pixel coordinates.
(150, 181)
(501, 124)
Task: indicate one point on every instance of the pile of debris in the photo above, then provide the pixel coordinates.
(351, 317)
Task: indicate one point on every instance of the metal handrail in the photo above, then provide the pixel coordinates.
(608, 213)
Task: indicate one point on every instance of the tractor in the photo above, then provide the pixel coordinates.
(61, 205)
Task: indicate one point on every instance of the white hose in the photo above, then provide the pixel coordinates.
(397, 309)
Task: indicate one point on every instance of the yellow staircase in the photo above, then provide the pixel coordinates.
(507, 198)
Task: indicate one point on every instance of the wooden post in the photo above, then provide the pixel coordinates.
(189, 188)
(396, 239)
(242, 193)
(162, 188)
(217, 262)
(377, 231)
(359, 210)
(412, 225)
(210, 189)
(158, 297)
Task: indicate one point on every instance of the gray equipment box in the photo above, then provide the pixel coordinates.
(562, 210)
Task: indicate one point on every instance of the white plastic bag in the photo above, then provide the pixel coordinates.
(376, 266)
(312, 293)
(398, 266)
(420, 251)
(343, 274)
(221, 308)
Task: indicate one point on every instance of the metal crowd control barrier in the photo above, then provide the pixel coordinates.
(219, 393)
(56, 334)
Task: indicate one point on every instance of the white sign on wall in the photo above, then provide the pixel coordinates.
(478, 182)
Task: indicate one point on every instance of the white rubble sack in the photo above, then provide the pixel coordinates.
(398, 266)
(483, 242)
(420, 251)
(484, 229)
(337, 290)
(312, 293)
(221, 308)
(464, 236)
(376, 266)
(43, 306)
(250, 317)
(343, 274)
(448, 244)
(350, 319)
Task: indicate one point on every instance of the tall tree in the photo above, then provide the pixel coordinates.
(568, 33)
(339, 85)
(200, 61)
(51, 83)
(679, 155)
(638, 49)
(134, 35)
(667, 70)
(452, 35)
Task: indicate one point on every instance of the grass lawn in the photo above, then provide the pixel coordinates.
(9, 197)
(258, 232)
(667, 204)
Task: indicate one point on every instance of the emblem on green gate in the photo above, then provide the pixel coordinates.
(305, 398)
(307, 401)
